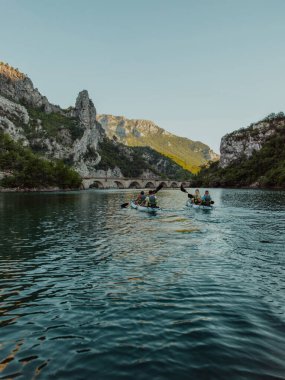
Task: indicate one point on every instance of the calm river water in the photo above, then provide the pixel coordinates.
(92, 291)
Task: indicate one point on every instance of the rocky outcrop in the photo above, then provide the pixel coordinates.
(19, 88)
(251, 157)
(132, 132)
(85, 152)
(13, 111)
(242, 143)
(23, 113)
(12, 117)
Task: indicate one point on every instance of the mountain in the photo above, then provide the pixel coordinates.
(250, 157)
(71, 135)
(186, 153)
(27, 116)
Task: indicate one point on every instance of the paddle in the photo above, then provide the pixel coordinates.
(159, 187)
(185, 191)
(124, 205)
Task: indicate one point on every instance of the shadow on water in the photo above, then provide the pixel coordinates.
(89, 290)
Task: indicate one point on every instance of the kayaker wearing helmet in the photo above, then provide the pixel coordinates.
(206, 199)
(140, 198)
(197, 197)
(151, 199)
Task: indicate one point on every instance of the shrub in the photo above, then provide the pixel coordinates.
(29, 170)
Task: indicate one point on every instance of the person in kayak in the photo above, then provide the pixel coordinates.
(197, 198)
(140, 198)
(206, 199)
(151, 199)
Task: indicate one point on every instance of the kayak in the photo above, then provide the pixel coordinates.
(150, 210)
(198, 207)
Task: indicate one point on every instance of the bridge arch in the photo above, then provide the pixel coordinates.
(174, 185)
(164, 184)
(149, 185)
(96, 185)
(119, 185)
(134, 185)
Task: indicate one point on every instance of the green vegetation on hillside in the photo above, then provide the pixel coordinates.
(133, 161)
(27, 170)
(52, 124)
(113, 155)
(173, 147)
(188, 154)
(167, 167)
(266, 166)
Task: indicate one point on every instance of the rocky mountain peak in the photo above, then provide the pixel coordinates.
(18, 87)
(85, 109)
(10, 72)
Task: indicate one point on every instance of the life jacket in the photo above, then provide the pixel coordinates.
(152, 201)
(141, 198)
(197, 198)
(206, 200)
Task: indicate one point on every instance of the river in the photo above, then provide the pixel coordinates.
(92, 291)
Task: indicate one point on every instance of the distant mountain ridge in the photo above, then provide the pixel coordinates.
(133, 132)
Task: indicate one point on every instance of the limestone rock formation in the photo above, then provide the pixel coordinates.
(27, 115)
(19, 88)
(12, 116)
(243, 142)
(251, 157)
(85, 149)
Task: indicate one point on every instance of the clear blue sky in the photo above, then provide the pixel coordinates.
(198, 68)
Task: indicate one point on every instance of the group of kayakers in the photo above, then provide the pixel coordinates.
(204, 200)
(150, 200)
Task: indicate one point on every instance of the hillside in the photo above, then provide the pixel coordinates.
(138, 162)
(72, 135)
(250, 157)
(21, 168)
(186, 153)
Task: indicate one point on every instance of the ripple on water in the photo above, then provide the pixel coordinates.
(89, 290)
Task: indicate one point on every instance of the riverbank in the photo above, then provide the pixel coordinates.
(35, 190)
(55, 189)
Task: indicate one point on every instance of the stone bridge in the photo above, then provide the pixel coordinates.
(129, 183)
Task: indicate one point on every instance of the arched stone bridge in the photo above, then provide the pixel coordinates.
(129, 183)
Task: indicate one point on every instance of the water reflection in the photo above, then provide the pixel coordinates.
(88, 289)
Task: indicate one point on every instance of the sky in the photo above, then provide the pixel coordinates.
(197, 68)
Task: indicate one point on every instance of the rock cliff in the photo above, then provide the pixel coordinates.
(85, 112)
(12, 117)
(250, 157)
(19, 88)
(27, 115)
(245, 141)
